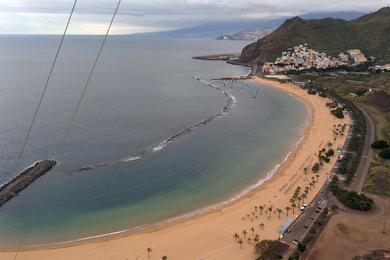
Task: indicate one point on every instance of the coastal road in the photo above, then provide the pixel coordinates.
(365, 161)
(305, 220)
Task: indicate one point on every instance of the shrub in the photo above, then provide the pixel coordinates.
(329, 153)
(338, 112)
(301, 247)
(326, 159)
(360, 92)
(379, 144)
(312, 91)
(385, 154)
(351, 199)
(316, 167)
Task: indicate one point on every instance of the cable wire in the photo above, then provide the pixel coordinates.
(77, 107)
(61, 146)
(20, 155)
(39, 106)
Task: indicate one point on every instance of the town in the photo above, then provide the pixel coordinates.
(302, 57)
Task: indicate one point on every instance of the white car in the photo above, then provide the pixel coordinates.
(295, 242)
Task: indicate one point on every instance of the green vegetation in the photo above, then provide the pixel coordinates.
(376, 102)
(368, 33)
(380, 144)
(338, 87)
(329, 153)
(351, 199)
(338, 112)
(385, 154)
(316, 167)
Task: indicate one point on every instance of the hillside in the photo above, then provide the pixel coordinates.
(215, 29)
(370, 33)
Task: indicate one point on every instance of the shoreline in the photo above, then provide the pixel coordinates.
(190, 214)
(241, 199)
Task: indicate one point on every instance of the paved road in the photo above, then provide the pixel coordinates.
(365, 162)
(307, 217)
(310, 214)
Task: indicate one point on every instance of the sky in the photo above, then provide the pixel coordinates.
(93, 16)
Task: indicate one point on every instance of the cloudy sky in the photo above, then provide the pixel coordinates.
(92, 16)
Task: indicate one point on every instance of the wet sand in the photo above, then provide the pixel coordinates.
(210, 235)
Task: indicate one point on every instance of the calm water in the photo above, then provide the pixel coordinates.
(142, 92)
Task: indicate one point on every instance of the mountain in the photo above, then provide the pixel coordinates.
(216, 29)
(370, 33)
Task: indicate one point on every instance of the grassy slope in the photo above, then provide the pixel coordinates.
(369, 33)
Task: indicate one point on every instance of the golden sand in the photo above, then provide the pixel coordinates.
(210, 235)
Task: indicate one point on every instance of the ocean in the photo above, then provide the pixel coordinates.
(157, 137)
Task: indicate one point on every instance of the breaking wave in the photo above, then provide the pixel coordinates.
(230, 103)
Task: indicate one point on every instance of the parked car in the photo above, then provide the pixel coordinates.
(295, 242)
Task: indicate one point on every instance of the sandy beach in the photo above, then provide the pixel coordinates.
(210, 235)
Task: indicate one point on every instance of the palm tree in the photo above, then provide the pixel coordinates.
(317, 176)
(249, 240)
(262, 225)
(255, 208)
(244, 233)
(305, 171)
(240, 242)
(303, 197)
(287, 209)
(299, 200)
(252, 229)
(261, 210)
(279, 212)
(292, 200)
(270, 211)
(164, 257)
(293, 206)
(329, 145)
(236, 236)
(149, 250)
(256, 239)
